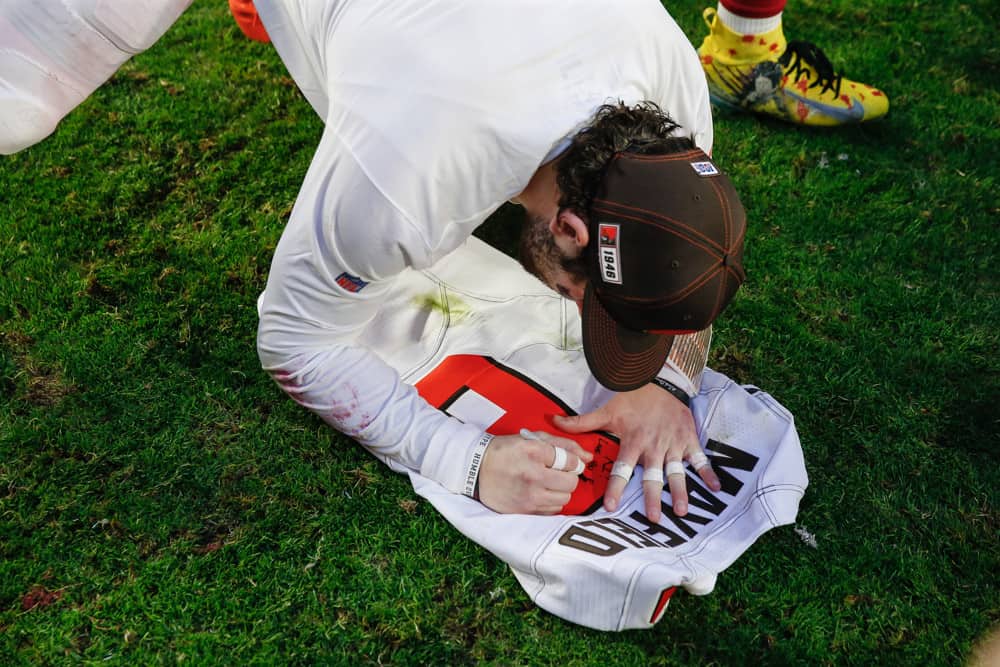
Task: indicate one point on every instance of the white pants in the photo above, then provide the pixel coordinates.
(55, 53)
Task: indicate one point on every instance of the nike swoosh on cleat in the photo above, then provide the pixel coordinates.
(855, 112)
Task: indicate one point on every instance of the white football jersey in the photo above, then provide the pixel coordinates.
(487, 344)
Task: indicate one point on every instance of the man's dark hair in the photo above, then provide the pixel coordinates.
(616, 128)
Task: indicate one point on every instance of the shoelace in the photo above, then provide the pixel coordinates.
(807, 54)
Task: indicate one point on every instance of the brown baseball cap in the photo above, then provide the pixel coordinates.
(665, 257)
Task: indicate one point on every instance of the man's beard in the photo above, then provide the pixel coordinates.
(537, 249)
(540, 256)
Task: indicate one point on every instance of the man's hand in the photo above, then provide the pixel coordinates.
(655, 428)
(517, 476)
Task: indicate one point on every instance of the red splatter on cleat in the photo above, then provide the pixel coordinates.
(793, 81)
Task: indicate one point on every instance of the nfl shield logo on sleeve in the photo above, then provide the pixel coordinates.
(351, 283)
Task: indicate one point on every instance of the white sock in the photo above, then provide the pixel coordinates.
(745, 26)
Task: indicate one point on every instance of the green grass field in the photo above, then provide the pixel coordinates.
(162, 501)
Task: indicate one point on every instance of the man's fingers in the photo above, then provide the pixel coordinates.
(590, 421)
(574, 449)
(561, 481)
(563, 460)
(621, 473)
(703, 467)
(710, 478)
(559, 456)
(549, 510)
(550, 501)
(515, 476)
(613, 494)
(678, 487)
(571, 446)
(652, 491)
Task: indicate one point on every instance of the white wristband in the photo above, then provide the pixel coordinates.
(472, 475)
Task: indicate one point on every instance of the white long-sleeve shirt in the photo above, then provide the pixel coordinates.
(436, 113)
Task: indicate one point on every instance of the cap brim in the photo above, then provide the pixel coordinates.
(621, 359)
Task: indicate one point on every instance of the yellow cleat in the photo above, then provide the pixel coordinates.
(792, 81)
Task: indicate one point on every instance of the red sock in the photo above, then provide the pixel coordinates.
(754, 9)
(248, 20)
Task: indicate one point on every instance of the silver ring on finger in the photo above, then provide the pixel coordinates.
(675, 468)
(698, 460)
(559, 462)
(623, 470)
(652, 474)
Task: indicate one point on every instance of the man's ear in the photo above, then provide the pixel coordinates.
(569, 229)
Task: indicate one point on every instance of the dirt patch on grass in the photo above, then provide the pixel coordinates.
(46, 386)
(36, 382)
(40, 597)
